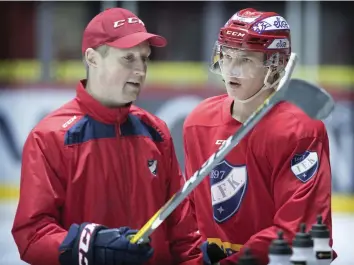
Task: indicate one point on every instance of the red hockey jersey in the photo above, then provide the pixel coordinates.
(275, 178)
(88, 163)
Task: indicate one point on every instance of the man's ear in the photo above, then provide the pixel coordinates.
(91, 57)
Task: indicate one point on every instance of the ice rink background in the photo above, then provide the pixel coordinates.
(343, 233)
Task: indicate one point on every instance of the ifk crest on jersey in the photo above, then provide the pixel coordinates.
(228, 186)
(305, 165)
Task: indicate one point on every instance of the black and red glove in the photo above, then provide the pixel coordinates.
(92, 244)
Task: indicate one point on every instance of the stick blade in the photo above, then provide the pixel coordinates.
(314, 101)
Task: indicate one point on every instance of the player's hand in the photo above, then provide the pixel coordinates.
(212, 253)
(92, 244)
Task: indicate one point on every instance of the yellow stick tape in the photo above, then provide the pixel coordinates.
(146, 227)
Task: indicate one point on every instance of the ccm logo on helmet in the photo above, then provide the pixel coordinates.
(235, 33)
(84, 243)
(129, 20)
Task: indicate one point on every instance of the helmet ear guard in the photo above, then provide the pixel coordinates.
(277, 64)
(276, 70)
(273, 77)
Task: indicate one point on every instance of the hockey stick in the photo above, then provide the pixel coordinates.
(314, 101)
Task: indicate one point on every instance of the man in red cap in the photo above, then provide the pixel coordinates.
(99, 167)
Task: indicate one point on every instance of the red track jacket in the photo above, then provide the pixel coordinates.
(276, 178)
(88, 163)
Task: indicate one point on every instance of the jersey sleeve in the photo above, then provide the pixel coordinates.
(301, 189)
(36, 228)
(184, 239)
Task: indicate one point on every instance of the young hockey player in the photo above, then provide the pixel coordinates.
(98, 168)
(278, 176)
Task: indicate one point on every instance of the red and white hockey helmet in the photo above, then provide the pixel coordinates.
(251, 31)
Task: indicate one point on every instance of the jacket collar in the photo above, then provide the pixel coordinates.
(96, 110)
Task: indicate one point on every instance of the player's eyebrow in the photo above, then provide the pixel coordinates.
(240, 53)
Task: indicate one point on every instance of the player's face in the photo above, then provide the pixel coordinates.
(122, 73)
(243, 72)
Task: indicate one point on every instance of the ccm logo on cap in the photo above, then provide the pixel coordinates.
(130, 20)
(235, 33)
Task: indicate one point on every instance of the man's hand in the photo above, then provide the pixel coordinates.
(212, 253)
(90, 244)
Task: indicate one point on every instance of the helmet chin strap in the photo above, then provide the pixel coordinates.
(266, 85)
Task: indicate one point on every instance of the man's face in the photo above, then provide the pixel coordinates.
(121, 74)
(243, 71)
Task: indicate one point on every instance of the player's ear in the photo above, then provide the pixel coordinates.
(91, 57)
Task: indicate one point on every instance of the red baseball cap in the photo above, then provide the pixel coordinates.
(119, 28)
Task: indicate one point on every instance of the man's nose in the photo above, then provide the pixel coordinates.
(235, 70)
(140, 69)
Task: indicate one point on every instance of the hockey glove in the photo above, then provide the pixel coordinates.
(212, 253)
(92, 244)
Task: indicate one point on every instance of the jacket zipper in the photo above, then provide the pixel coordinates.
(126, 188)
